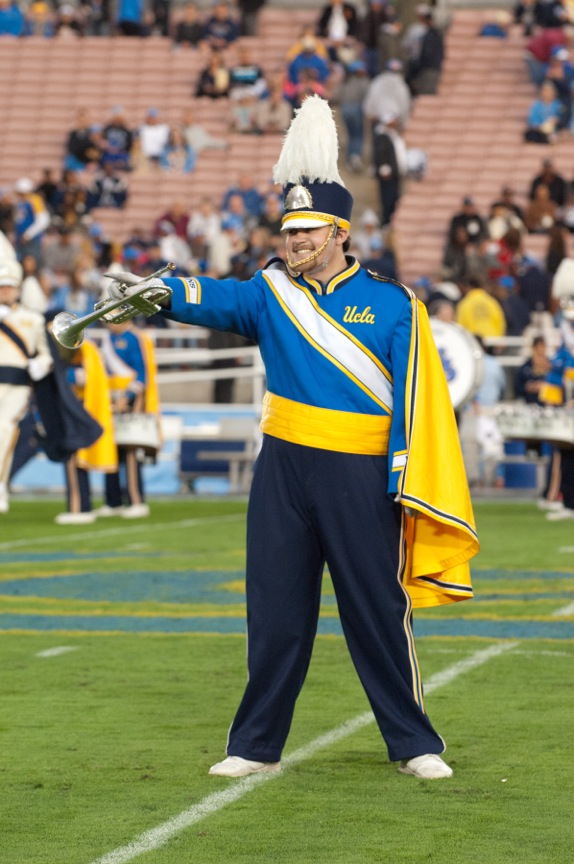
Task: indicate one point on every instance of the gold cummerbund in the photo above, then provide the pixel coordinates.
(324, 428)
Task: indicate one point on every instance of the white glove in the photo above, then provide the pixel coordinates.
(126, 284)
(38, 368)
(4, 311)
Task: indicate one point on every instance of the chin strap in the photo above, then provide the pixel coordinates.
(295, 268)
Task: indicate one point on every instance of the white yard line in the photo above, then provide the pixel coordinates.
(564, 611)
(123, 531)
(158, 837)
(55, 652)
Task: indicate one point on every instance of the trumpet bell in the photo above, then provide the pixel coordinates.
(65, 332)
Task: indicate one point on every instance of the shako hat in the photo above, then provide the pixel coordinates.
(313, 191)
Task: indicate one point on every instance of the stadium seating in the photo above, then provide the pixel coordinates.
(45, 81)
(472, 132)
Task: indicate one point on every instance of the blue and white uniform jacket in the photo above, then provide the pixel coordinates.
(347, 367)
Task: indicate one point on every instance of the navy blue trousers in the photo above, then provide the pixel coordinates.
(309, 507)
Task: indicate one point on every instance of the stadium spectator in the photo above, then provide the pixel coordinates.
(213, 80)
(540, 212)
(456, 258)
(480, 312)
(130, 18)
(246, 76)
(116, 140)
(309, 59)
(6, 212)
(40, 19)
(549, 177)
(530, 377)
(177, 155)
(12, 20)
(61, 255)
(220, 28)
(274, 111)
(561, 73)
(350, 96)
(97, 15)
(500, 219)
(516, 311)
(247, 190)
(550, 14)
(48, 188)
(69, 23)
(203, 227)
(469, 218)
(424, 69)
(390, 163)
(188, 32)
(272, 217)
(177, 216)
(539, 51)
(543, 116)
(242, 116)
(172, 247)
(152, 137)
(107, 189)
(378, 15)
(161, 11)
(388, 94)
(534, 284)
(197, 137)
(249, 16)
(507, 200)
(69, 200)
(82, 144)
(31, 220)
(369, 235)
(338, 27)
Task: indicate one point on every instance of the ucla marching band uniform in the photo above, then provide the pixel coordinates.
(360, 469)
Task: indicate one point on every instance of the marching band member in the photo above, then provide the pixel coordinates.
(360, 465)
(87, 375)
(559, 390)
(24, 358)
(130, 362)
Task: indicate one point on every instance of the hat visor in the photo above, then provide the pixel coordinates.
(293, 221)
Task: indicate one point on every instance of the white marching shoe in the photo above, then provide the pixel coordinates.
(235, 766)
(4, 503)
(105, 511)
(559, 515)
(135, 511)
(75, 518)
(427, 767)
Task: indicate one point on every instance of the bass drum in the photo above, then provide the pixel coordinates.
(462, 360)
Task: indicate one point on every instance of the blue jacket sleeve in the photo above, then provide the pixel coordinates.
(223, 304)
(402, 367)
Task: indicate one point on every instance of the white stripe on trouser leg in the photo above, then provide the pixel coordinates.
(159, 836)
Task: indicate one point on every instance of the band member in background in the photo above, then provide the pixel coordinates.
(130, 362)
(87, 375)
(24, 358)
(360, 465)
(559, 390)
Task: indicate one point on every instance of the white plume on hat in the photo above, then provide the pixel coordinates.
(11, 272)
(310, 147)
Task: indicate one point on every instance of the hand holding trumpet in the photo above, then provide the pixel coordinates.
(129, 296)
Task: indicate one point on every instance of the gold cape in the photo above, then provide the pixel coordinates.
(440, 528)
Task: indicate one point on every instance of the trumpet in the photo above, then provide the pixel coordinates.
(68, 328)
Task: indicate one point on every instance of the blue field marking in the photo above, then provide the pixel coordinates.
(62, 557)
(233, 625)
(137, 586)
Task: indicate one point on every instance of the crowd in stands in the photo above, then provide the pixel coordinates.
(372, 66)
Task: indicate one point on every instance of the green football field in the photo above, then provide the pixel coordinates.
(122, 660)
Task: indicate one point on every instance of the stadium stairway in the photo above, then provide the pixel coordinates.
(472, 133)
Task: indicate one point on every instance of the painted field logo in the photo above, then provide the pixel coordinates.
(351, 315)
